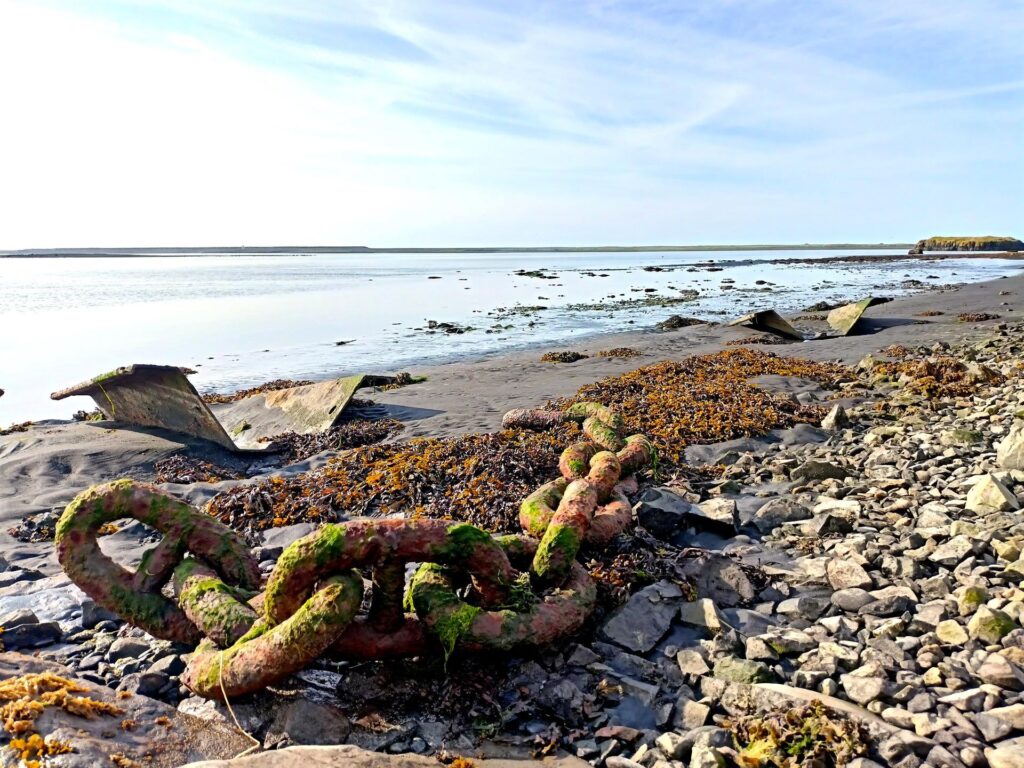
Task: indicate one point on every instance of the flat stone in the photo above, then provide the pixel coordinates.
(843, 573)
(819, 470)
(662, 511)
(952, 552)
(742, 670)
(951, 632)
(778, 512)
(645, 618)
(307, 722)
(702, 613)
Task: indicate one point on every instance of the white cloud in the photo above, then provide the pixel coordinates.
(530, 124)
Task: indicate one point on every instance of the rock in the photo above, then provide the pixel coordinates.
(93, 614)
(818, 470)
(22, 630)
(742, 671)
(1010, 450)
(160, 732)
(862, 688)
(692, 663)
(1013, 715)
(990, 495)
(998, 670)
(951, 633)
(702, 613)
(778, 512)
(990, 626)
(307, 722)
(717, 515)
(836, 419)
(952, 552)
(662, 511)
(126, 648)
(844, 573)
(852, 599)
(1009, 757)
(645, 618)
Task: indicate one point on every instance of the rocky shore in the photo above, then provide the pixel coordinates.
(872, 563)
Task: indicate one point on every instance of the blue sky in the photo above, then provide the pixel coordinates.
(448, 122)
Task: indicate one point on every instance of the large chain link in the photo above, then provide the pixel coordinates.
(520, 591)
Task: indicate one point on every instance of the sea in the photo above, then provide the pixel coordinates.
(240, 320)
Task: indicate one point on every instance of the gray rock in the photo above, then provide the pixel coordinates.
(844, 573)
(662, 511)
(307, 722)
(778, 512)
(645, 618)
(819, 470)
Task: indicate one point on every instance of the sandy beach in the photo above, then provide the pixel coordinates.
(854, 534)
(44, 467)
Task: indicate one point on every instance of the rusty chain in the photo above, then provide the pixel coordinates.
(521, 591)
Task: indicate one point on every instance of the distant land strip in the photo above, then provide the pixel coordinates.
(303, 250)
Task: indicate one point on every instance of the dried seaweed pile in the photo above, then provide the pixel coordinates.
(976, 317)
(797, 737)
(707, 398)
(349, 434)
(939, 376)
(25, 698)
(760, 338)
(269, 386)
(482, 479)
(22, 427)
(187, 470)
(562, 357)
(619, 352)
(478, 478)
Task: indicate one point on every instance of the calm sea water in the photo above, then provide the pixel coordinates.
(241, 320)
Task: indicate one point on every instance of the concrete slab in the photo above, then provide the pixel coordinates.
(769, 321)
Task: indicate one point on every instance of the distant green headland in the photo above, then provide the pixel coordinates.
(984, 243)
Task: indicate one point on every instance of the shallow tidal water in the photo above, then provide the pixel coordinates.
(242, 320)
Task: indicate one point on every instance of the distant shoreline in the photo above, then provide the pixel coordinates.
(348, 249)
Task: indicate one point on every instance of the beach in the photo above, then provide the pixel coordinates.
(855, 531)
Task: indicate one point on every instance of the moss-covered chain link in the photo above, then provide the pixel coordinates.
(311, 602)
(588, 503)
(136, 596)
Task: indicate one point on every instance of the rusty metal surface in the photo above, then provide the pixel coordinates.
(844, 319)
(152, 396)
(770, 321)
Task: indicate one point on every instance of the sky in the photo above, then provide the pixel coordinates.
(455, 123)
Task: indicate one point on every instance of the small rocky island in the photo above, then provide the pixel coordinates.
(983, 243)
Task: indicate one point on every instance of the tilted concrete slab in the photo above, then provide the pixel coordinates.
(162, 396)
(305, 410)
(152, 396)
(844, 319)
(770, 321)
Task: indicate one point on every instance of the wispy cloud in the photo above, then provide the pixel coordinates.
(458, 122)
